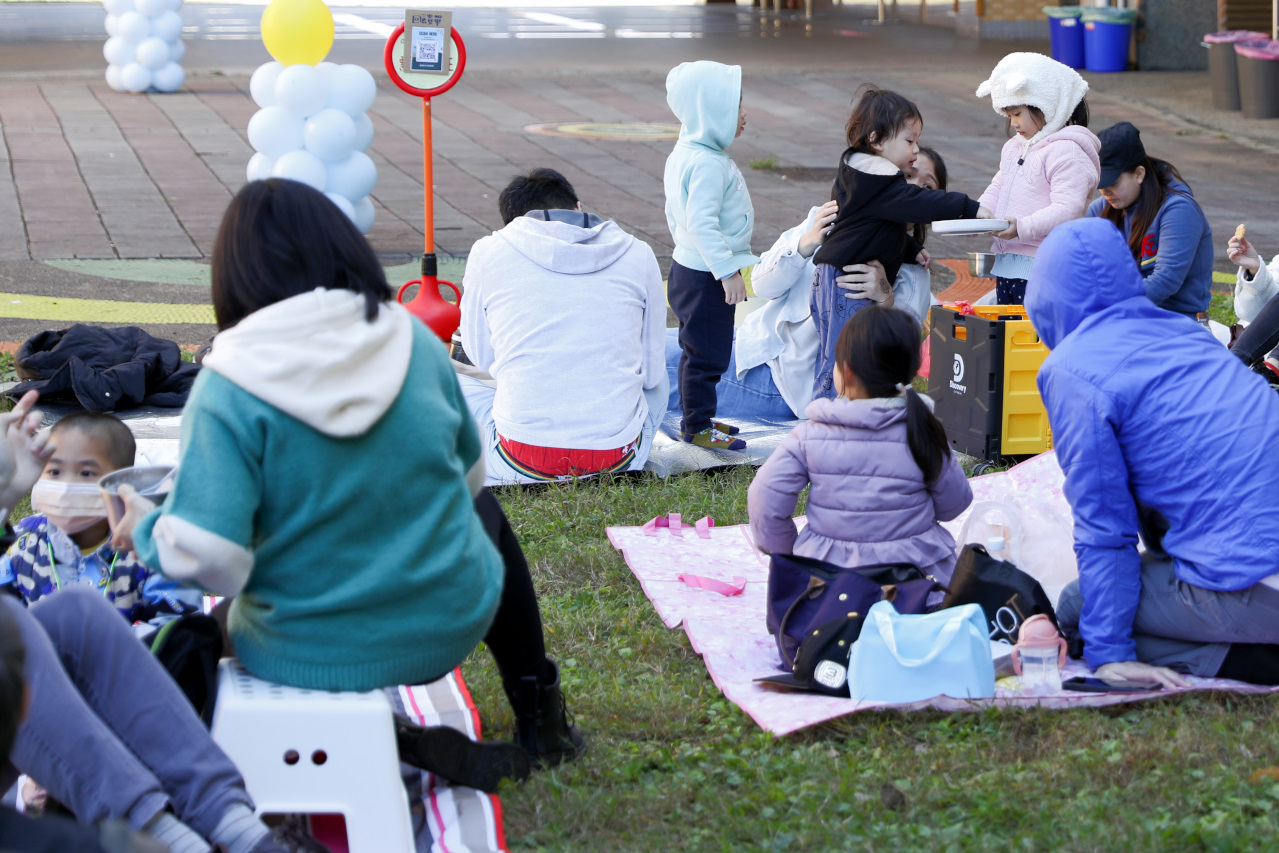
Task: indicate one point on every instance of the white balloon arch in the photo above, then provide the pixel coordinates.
(144, 47)
(313, 127)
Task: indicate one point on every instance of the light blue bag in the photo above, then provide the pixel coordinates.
(911, 658)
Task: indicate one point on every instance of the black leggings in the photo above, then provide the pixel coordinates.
(515, 637)
(1261, 336)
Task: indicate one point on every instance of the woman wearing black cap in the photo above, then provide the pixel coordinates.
(1153, 208)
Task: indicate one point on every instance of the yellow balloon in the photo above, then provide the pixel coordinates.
(297, 32)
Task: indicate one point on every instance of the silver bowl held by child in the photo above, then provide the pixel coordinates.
(980, 264)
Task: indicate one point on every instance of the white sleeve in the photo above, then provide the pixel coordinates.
(782, 266)
(1251, 296)
(192, 555)
(475, 329)
(912, 291)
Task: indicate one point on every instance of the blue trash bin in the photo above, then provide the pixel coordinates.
(1067, 34)
(1107, 37)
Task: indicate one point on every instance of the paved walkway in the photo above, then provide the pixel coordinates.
(89, 173)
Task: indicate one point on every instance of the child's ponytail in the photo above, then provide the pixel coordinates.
(880, 346)
(925, 436)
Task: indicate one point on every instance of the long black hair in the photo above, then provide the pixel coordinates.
(880, 346)
(282, 238)
(1155, 188)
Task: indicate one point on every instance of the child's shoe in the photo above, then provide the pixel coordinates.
(714, 439)
(727, 429)
(542, 725)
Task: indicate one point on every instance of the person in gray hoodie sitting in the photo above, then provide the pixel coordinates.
(565, 311)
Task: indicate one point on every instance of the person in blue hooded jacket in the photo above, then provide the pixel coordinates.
(709, 212)
(1166, 231)
(1162, 433)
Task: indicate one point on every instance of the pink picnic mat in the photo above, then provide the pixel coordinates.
(728, 630)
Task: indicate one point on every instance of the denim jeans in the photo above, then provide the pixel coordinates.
(755, 395)
(108, 731)
(1184, 627)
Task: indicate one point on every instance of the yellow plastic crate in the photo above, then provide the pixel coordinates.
(1024, 421)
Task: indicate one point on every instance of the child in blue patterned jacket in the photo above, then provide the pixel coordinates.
(67, 541)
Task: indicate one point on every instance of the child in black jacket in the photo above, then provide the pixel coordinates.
(875, 206)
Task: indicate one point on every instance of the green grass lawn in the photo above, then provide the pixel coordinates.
(674, 766)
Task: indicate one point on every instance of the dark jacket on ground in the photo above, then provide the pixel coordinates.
(875, 203)
(104, 370)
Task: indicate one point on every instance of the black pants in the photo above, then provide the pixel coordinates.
(706, 338)
(1010, 291)
(1262, 335)
(515, 637)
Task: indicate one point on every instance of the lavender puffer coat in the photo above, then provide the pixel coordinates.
(869, 503)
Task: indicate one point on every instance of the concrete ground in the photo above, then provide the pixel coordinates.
(119, 181)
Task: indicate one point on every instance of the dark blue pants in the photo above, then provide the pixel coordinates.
(831, 309)
(706, 338)
(1010, 291)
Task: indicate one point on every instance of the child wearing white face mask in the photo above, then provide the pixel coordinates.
(67, 541)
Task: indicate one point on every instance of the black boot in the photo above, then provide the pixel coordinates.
(452, 755)
(541, 719)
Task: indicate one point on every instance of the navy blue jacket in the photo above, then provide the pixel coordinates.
(1146, 406)
(1176, 253)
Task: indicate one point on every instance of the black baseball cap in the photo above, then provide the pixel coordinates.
(1121, 151)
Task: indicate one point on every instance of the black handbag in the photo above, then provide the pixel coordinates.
(816, 610)
(1007, 595)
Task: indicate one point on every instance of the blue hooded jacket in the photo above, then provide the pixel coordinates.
(1176, 251)
(708, 207)
(1147, 407)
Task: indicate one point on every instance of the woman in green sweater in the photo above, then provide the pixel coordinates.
(330, 480)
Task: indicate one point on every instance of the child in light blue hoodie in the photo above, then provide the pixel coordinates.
(709, 212)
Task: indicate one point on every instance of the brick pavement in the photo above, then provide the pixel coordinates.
(87, 172)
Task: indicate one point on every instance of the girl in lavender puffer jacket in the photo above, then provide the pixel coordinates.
(881, 471)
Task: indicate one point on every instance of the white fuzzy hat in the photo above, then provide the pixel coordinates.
(1034, 80)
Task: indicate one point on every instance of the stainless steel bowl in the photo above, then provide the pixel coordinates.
(980, 264)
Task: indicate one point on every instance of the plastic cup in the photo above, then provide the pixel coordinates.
(1039, 673)
(152, 482)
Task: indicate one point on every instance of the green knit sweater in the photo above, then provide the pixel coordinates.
(371, 567)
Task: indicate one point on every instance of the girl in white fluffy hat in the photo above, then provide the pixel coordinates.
(1049, 167)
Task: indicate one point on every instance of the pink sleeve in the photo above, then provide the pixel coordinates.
(1071, 179)
(990, 198)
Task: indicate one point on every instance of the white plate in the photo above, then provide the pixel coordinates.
(969, 226)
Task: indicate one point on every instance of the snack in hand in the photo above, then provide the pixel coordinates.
(1241, 232)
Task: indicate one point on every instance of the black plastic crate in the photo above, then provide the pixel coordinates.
(966, 370)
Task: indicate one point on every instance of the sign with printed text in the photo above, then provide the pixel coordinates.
(426, 34)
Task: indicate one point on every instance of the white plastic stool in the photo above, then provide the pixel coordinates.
(316, 752)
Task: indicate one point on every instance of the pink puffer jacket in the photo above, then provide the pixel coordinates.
(1051, 185)
(869, 503)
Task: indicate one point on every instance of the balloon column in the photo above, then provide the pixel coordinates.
(144, 45)
(312, 126)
